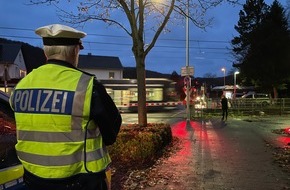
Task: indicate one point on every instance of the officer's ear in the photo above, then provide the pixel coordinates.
(77, 49)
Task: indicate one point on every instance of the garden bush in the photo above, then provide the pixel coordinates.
(140, 144)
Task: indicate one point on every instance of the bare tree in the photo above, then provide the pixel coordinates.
(209, 75)
(136, 17)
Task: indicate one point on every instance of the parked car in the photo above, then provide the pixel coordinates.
(11, 171)
(257, 98)
(237, 95)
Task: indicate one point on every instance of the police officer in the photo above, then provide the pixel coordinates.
(64, 119)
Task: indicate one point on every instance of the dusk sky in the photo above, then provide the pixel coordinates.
(209, 50)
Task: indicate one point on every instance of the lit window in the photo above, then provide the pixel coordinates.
(111, 75)
(22, 73)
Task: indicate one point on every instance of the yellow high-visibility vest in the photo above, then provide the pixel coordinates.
(52, 109)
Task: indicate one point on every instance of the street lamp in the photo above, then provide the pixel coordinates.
(224, 70)
(235, 83)
(187, 64)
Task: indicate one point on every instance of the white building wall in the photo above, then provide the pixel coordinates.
(20, 70)
(104, 73)
(12, 70)
(20, 61)
(2, 68)
(15, 70)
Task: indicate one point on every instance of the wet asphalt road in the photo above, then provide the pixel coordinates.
(216, 155)
(170, 116)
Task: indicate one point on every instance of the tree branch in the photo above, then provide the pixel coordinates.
(160, 29)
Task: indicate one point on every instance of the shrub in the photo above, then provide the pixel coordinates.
(140, 144)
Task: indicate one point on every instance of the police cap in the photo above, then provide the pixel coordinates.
(60, 35)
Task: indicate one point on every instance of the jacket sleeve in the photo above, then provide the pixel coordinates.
(105, 113)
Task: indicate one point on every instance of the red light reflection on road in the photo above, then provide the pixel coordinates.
(287, 130)
(194, 136)
(184, 131)
(181, 130)
(284, 140)
(204, 141)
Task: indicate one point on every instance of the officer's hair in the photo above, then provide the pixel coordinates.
(64, 51)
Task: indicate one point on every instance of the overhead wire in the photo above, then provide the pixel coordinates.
(115, 36)
(114, 43)
(173, 48)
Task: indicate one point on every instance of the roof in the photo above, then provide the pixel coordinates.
(8, 52)
(99, 62)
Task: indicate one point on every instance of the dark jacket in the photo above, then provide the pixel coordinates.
(224, 102)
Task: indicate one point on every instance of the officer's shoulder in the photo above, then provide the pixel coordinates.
(84, 72)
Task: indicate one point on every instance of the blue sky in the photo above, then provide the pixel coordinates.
(209, 50)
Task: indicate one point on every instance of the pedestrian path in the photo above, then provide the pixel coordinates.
(216, 155)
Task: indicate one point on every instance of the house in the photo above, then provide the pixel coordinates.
(15, 62)
(104, 67)
(12, 65)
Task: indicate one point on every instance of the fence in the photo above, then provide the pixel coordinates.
(280, 106)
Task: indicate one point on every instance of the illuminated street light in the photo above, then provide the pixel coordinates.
(235, 83)
(224, 70)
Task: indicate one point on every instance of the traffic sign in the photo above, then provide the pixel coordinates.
(189, 91)
(187, 71)
(187, 82)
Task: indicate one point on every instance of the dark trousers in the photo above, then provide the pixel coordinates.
(225, 114)
(85, 181)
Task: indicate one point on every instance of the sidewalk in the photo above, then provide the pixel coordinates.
(266, 124)
(216, 155)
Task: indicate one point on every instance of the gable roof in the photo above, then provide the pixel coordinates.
(8, 52)
(99, 62)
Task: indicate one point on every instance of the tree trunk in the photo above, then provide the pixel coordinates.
(141, 76)
(275, 93)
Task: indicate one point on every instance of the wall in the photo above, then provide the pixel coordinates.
(14, 68)
(104, 73)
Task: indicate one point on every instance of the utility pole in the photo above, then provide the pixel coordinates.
(188, 85)
(187, 71)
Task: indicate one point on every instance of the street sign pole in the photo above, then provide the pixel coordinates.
(187, 71)
(188, 86)
(187, 64)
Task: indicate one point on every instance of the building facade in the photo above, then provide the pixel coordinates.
(103, 67)
(12, 65)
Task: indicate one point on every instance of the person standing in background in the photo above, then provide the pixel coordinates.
(224, 102)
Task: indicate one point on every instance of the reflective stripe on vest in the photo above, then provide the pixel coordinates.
(55, 136)
(61, 160)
